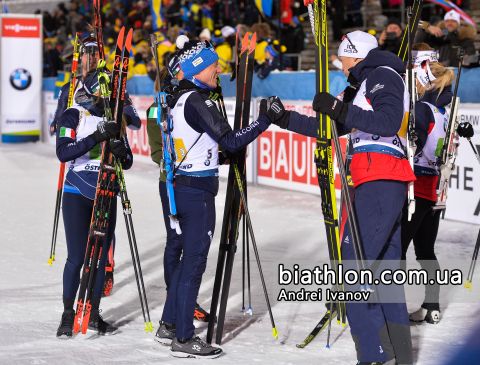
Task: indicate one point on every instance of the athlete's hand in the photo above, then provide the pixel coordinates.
(465, 130)
(328, 104)
(275, 111)
(224, 157)
(105, 131)
(118, 149)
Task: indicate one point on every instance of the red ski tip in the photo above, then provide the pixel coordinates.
(253, 43)
(120, 38)
(128, 41)
(307, 2)
(245, 43)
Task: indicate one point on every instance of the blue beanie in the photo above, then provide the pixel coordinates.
(195, 56)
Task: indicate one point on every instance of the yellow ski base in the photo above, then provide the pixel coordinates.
(275, 333)
(468, 285)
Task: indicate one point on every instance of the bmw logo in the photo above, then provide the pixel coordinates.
(20, 79)
(375, 137)
(416, 159)
(207, 162)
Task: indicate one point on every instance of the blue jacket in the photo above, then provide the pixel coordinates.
(386, 118)
(133, 120)
(424, 116)
(69, 149)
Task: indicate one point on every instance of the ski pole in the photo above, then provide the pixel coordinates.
(248, 278)
(468, 283)
(243, 264)
(474, 150)
(61, 176)
(127, 213)
(254, 244)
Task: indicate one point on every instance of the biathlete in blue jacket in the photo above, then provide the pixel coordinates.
(89, 60)
(431, 117)
(79, 142)
(380, 173)
(199, 128)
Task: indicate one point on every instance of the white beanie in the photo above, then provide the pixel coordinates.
(357, 45)
(452, 14)
(206, 33)
(227, 30)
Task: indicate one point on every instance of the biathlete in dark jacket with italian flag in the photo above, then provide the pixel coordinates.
(79, 144)
(380, 172)
(198, 130)
(435, 91)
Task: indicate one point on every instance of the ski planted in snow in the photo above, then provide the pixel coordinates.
(233, 204)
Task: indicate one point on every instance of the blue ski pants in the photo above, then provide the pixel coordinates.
(196, 211)
(77, 216)
(173, 247)
(381, 331)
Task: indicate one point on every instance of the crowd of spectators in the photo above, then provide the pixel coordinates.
(212, 20)
(217, 20)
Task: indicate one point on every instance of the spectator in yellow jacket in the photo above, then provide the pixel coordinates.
(223, 41)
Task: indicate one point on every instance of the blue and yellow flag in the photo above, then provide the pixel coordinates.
(207, 20)
(265, 7)
(62, 79)
(157, 17)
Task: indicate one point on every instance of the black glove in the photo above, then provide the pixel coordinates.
(215, 93)
(349, 94)
(105, 131)
(224, 156)
(275, 112)
(465, 130)
(118, 149)
(328, 104)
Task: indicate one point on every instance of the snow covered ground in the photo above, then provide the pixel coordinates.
(287, 225)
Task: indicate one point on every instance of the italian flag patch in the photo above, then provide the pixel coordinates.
(153, 112)
(67, 132)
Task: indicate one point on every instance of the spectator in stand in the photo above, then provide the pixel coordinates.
(272, 60)
(446, 35)
(51, 58)
(223, 41)
(166, 44)
(205, 35)
(293, 36)
(250, 12)
(227, 12)
(335, 11)
(263, 38)
(391, 38)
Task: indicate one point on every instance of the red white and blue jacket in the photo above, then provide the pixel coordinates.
(380, 120)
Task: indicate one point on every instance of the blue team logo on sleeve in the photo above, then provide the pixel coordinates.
(20, 79)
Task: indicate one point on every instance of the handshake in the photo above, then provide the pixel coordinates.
(323, 103)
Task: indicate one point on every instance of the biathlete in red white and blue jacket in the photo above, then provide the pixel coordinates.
(434, 87)
(375, 118)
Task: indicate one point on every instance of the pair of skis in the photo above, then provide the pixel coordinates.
(109, 173)
(324, 159)
(235, 203)
(58, 203)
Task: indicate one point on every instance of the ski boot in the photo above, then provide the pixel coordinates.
(194, 347)
(65, 329)
(165, 334)
(425, 315)
(97, 323)
(201, 314)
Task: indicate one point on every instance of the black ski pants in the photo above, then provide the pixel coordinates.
(423, 229)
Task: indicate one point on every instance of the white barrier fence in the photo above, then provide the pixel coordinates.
(284, 159)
